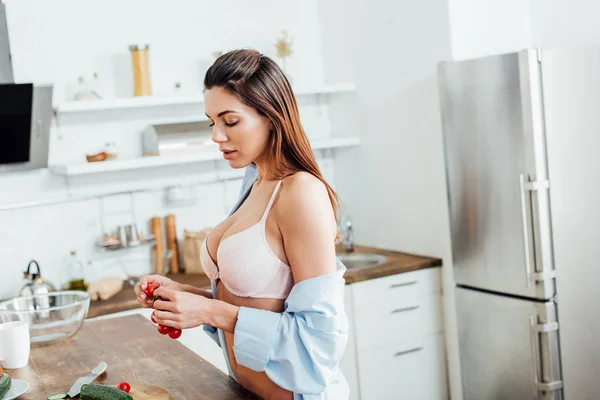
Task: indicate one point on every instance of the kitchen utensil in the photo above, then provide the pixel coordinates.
(122, 235)
(159, 247)
(14, 344)
(89, 378)
(51, 317)
(17, 388)
(141, 70)
(172, 244)
(132, 233)
(145, 392)
(35, 284)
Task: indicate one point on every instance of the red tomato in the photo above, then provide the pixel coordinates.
(175, 333)
(152, 318)
(163, 330)
(124, 386)
(150, 288)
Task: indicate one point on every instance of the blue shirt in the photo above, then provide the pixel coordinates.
(300, 348)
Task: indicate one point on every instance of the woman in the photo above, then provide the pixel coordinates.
(276, 307)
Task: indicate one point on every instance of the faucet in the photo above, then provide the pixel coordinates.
(348, 239)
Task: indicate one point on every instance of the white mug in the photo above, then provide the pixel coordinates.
(14, 344)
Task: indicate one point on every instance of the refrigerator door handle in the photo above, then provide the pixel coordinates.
(526, 187)
(534, 330)
(534, 356)
(525, 230)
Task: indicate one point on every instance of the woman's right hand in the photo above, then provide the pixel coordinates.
(158, 280)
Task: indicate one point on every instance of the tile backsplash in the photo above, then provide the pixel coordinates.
(48, 233)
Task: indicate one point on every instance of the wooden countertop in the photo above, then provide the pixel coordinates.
(135, 352)
(396, 263)
(126, 300)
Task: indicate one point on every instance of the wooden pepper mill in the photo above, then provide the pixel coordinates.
(159, 248)
(172, 242)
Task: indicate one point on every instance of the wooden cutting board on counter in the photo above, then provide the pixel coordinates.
(145, 392)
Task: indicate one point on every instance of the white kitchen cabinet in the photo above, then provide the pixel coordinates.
(386, 324)
(348, 362)
(396, 349)
(412, 370)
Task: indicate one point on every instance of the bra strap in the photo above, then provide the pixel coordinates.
(264, 217)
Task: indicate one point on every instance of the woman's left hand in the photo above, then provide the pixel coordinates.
(181, 310)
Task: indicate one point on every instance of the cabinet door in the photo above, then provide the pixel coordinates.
(404, 319)
(348, 363)
(411, 370)
(395, 288)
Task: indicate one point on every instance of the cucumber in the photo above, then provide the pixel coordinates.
(5, 383)
(58, 396)
(101, 392)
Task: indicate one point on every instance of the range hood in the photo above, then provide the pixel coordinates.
(175, 139)
(25, 114)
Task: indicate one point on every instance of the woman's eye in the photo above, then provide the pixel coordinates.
(231, 123)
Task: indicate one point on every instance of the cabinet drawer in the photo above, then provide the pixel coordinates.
(390, 288)
(412, 370)
(387, 323)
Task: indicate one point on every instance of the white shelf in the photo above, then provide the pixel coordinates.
(156, 101)
(161, 161)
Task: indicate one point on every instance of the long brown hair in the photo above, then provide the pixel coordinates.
(260, 83)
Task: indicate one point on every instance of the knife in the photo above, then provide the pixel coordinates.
(89, 378)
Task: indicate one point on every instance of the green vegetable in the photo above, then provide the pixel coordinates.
(102, 392)
(58, 396)
(5, 383)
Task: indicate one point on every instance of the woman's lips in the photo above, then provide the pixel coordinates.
(229, 154)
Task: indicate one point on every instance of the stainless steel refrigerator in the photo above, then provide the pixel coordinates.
(522, 152)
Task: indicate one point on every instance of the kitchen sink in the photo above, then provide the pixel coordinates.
(360, 260)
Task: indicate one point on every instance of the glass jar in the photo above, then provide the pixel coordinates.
(110, 148)
(141, 70)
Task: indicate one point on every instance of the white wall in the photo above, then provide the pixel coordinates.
(394, 184)
(60, 40)
(480, 28)
(57, 42)
(564, 23)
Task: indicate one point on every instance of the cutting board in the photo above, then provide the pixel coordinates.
(145, 392)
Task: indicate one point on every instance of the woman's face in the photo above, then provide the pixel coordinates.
(240, 131)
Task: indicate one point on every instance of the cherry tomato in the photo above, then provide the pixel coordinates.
(150, 288)
(163, 330)
(175, 333)
(124, 386)
(152, 318)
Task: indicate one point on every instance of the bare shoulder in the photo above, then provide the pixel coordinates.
(307, 224)
(303, 190)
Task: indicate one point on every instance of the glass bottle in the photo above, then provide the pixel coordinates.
(77, 273)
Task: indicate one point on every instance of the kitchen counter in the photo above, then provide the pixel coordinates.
(126, 300)
(396, 263)
(135, 352)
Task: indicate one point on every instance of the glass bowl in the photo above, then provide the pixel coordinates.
(52, 317)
